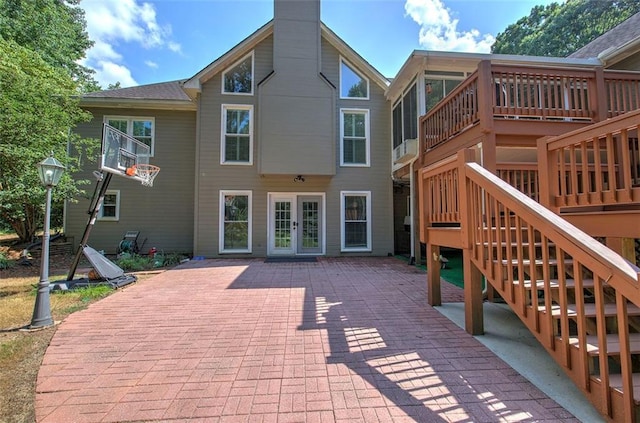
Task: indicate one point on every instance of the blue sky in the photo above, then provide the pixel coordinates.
(140, 42)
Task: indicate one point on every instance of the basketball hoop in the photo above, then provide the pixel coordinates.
(147, 172)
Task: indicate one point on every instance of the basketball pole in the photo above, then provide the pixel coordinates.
(95, 209)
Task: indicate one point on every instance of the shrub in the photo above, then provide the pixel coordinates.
(134, 262)
(5, 263)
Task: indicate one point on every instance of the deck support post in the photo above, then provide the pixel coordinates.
(623, 246)
(434, 293)
(473, 316)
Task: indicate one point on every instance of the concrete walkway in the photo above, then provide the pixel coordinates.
(347, 340)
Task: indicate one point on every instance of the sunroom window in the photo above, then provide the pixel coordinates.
(352, 84)
(239, 78)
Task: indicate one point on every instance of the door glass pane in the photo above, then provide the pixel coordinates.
(282, 224)
(310, 229)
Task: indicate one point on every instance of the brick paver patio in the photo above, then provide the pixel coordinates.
(348, 340)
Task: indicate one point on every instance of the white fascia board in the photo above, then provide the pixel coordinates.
(353, 57)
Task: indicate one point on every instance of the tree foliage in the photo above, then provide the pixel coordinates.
(560, 29)
(38, 108)
(55, 29)
(39, 84)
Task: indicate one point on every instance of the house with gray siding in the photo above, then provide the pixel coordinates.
(280, 147)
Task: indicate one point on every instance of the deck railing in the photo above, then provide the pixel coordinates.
(439, 194)
(595, 167)
(521, 176)
(451, 116)
(622, 92)
(542, 94)
(529, 93)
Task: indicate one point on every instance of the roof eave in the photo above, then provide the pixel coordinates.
(131, 103)
(612, 56)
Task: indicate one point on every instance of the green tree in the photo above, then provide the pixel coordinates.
(560, 29)
(38, 109)
(55, 29)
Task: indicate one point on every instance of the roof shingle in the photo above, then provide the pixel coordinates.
(171, 90)
(613, 39)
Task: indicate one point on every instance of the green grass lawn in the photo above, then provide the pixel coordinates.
(453, 273)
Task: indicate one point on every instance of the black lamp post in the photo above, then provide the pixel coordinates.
(50, 171)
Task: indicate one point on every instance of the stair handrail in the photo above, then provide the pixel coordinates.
(622, 275)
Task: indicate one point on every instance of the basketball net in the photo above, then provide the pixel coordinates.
(147, 172)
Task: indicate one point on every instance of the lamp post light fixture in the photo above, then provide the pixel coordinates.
(50, 171)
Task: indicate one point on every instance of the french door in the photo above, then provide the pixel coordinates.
(296, 224)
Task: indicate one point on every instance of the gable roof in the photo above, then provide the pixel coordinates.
(614, 45)
(163, 95)
(193, 84)
(180, 94)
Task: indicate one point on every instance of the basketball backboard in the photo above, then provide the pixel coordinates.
(121, 152)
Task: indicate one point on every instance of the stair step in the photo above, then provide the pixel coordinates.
(512, 244)
(554, 284)
(590, 310)
(613, 344)
(615, 380)
(537, 262)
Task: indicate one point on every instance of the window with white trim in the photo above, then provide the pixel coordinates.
(352, 83)
(140, 128)
(237, 134)
(238, 79)
(355, 220)
(110, 209)
(354, 136)
(235, 222)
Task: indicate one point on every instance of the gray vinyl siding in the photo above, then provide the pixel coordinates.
(213, 177)
(296, 103)
(163, 213)
(375, 178)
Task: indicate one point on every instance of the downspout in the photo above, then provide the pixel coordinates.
(412, 200)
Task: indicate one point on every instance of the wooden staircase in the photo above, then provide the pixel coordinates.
(579, 298)
(566, 308)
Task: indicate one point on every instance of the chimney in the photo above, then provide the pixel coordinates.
(296, 39)
(297, 105)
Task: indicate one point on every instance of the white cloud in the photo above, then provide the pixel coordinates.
(151, 64)
(439, 31)
(113, 23)
(110, 73)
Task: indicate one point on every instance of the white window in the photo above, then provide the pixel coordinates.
(355, 220)
(237, 134)
(140, 128)
(354, 136)
(239, 78)
(235, 222)
(352, 83)
(110, 209)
